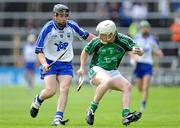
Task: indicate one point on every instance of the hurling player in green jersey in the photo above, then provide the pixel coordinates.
(107, 51)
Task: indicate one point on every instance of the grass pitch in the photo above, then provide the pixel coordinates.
(163, 108)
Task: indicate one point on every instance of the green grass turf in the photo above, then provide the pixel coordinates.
(163, 109)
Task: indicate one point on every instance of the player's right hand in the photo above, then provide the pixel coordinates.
(81, 71)
(45, 67)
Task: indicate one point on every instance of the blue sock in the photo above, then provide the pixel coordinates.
(143, 103)
(39, 100)
(59, 115)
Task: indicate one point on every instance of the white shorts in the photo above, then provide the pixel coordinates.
(94, 70)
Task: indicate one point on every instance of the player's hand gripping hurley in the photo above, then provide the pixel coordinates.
(59, 57)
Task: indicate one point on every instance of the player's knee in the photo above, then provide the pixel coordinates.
(127, 87)
(144, 88)
(64, 90)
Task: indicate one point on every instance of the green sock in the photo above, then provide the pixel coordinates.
(125, 112)
(93, 106)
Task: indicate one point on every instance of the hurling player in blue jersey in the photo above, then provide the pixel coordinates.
(30, 60)
(144, 63)
(56, 36)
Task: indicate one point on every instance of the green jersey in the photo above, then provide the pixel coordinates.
(108, 56)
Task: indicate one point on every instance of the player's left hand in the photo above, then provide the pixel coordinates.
(138, 50)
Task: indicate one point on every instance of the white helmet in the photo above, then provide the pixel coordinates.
(106, 27)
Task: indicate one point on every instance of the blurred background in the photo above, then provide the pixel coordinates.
(21, 18)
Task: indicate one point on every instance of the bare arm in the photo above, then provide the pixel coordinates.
(42, 60)
(84, 56)
(83, 60)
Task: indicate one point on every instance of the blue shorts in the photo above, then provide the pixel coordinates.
(143, 69)
(30, 66)
(58, 68)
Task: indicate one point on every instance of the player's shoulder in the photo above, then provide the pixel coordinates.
(48, 25)
(72, 23)
(95, 41)
(152, 36)
(124, 38)
(138, 36)
(121, 35)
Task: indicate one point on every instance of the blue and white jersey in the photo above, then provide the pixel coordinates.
(52, 40)
(28, 53)
(149, 44)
